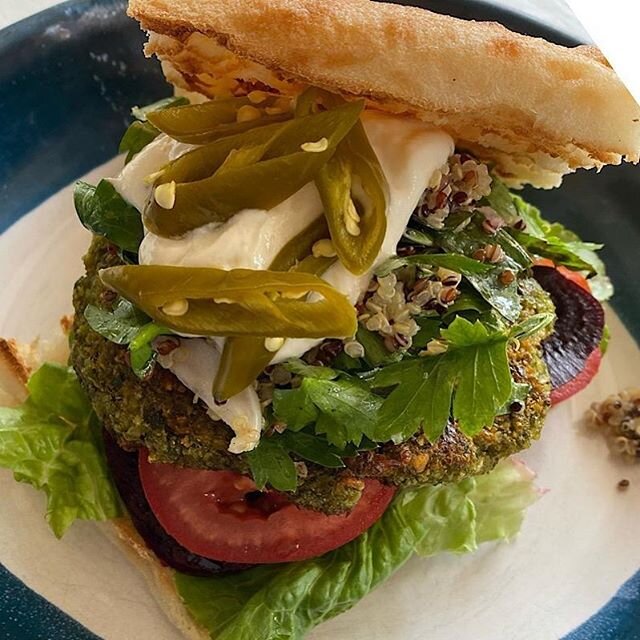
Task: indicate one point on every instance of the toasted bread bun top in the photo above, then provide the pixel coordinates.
(534, 109)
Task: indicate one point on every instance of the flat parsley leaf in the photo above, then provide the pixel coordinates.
(482, 377)
(294, 407)
(343, 409)
(270, 464)
(104, 212)
(126, 324)
(470, 382)
(349, 410)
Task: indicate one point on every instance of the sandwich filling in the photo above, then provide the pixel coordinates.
(410, 154)
(317, 294)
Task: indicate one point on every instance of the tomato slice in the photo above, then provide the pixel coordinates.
(220, 515)
(568, 389)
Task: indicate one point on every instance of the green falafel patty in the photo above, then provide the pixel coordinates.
(160, 414)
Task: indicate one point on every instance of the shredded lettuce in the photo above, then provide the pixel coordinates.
(53, 442)
(286, 601)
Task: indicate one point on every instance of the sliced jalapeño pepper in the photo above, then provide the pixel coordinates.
(208, 121)
(353, 190)
(300, 246)
(239, 302)
(283, 168)
(244, 358)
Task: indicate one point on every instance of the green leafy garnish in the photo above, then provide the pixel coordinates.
(453, 261)
(120, 325)
(127, 325)
(415, 236)
(104, 212)
(470, 382)
(301, 368)
(474, 372)
(53, 442)
(375, 353)
(488, 283)
(136, 138)
(563, 246)
(347, 410)
(344, 409)
(271, 464)
(286, 601)
(501, 201)
(312, 448)
(294, 407)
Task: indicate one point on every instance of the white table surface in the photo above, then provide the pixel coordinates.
(555, 12)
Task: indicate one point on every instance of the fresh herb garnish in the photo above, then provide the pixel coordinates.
(470, 382)
(120, 325)
(453, 261)
(343, 409)
(531, 326)
(501, 201)
(563, 246)
(375, 353)
(271, 464)
(312, 448)
(104, 212)
(127, 325)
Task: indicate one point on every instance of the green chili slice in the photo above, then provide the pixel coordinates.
(242, 361)
(353, 190)
(244, 358)
(283, 168)
(203, 123)
(300, 246)
(239, 302)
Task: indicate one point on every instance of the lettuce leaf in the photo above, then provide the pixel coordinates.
(564, 247)
(53, 442)
(286, 601)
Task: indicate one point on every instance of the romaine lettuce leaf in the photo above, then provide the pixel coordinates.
(564, 247)
(286, 601)
(53, 442)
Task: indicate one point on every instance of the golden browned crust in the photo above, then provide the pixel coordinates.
(158, 577)
(535, 109)
(14, 373)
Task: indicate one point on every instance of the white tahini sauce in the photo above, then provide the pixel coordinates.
(409, 152)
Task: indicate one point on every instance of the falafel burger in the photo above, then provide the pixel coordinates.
(316, 322)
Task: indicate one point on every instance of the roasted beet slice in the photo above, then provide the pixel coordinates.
(577, 334)
(124, 469)
(578, 383)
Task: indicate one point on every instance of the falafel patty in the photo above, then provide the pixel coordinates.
(160, 414)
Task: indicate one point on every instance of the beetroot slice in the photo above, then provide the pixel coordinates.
(578, 329)
(572, 387)
(124, 470)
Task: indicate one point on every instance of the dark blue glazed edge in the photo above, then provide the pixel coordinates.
(50, 139)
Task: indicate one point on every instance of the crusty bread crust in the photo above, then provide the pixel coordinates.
(158, 577)
(16, 363)
(535, 109)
